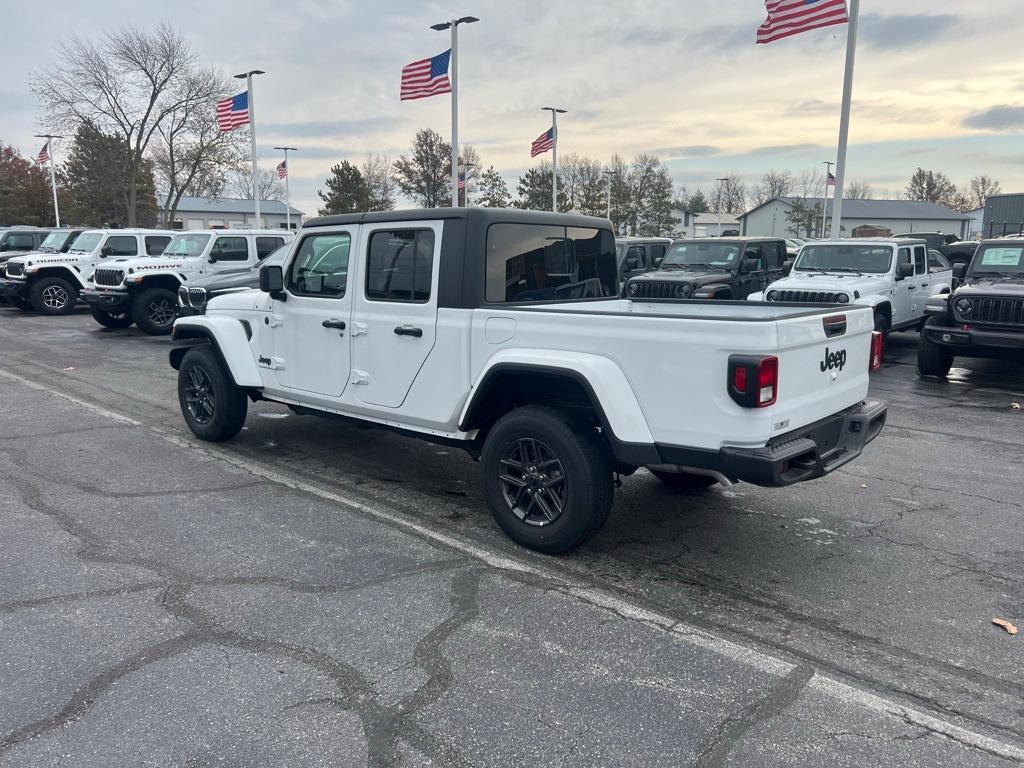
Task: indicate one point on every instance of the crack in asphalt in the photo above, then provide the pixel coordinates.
(728, 734)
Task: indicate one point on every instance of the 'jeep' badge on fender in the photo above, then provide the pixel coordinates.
(834, 361)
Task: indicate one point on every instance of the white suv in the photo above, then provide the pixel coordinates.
(145, 291)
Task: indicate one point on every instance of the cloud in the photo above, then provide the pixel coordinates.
(682, 153)
(886, 33)
(333, 128)
(786, 149)
(1001, 118)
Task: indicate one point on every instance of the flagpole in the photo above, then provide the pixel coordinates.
(455, 113)
(824, 198)
(844, 120)
(53, 173)
(251, 102)
(555, 112)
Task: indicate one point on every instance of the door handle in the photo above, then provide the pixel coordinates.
(408, 330)
(339, 324)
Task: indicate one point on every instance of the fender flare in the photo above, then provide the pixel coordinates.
(229, 337)
(713, 289)
(58, 270)
(610, 390)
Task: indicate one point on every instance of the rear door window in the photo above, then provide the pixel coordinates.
(267, 245)
(122, 245)
(400, 265)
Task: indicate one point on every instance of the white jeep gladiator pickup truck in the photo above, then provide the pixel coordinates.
(51, 283)
(451, 325)
(145, 291)
(893, 276)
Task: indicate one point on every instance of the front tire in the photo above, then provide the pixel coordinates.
(108, 320)
(932, 359)
(154, 311)
(684, 481)
(881, 324)
(548, 485)
(53, 296)
(213, 407)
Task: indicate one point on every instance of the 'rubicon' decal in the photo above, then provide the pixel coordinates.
(833, 360)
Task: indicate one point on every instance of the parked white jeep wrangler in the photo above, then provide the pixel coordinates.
(145, 291)
(53, 282)
(893, 276)
(471, 327)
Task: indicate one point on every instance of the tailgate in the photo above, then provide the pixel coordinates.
(823, 365)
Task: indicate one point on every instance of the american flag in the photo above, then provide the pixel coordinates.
(543, 143)
(791, 17)
(426, 77)
(44, 154)
(462, 180)
(282, 169)
(831, 180)
(233, 112)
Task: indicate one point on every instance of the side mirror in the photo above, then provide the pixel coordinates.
(4, 247)
(632, 264)
(904, 271)
(271, 279)
(959, 271)
(105, 251)
(787, 266)
(750, 265)
(215, 255)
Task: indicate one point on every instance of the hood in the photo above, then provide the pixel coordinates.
(991, 286)
(696, 277)
(148, 264)
(832, 282)
(45, 257)
(245, 300)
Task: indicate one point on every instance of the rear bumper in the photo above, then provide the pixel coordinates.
(806, 454)
(975, 342)
(108, 301)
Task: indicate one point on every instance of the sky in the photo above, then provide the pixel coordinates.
(939, 83)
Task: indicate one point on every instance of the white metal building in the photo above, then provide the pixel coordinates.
(874, 216)
(231, 213)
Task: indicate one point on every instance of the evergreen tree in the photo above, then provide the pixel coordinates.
(97, 174)
(698, 203)
(346, 190)
(534, 190)
(493, 190)
(932, 186)
(25, 196)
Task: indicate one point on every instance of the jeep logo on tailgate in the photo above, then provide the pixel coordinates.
(833, 360)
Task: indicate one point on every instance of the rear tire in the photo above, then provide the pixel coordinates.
(108, 320)
(684, 481)
(213, 407)
(154, 311)
(932, 359)
(547, 483)
(53, 296)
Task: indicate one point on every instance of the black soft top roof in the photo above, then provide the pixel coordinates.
(737, 239)
(476, 216)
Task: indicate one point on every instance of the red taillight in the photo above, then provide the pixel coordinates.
(746, 371)
(767, 381)
(877, 347)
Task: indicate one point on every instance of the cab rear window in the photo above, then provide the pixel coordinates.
(538, 262)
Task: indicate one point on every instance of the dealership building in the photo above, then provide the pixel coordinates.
(861, 218)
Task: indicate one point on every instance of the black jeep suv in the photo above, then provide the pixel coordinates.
(713, 268)
(983, 316)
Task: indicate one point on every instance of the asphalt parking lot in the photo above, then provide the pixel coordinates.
(315, 594)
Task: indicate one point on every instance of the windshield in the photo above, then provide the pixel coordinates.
(721, 255)
(875, 259)
(186, 245)
(999, 259)
(87, 242)
(53, 242)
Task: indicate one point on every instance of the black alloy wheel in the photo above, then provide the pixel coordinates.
(533, 482)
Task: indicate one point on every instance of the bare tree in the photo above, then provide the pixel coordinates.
(730, 195)
(981, 188)
(380, 183)
(772, 185)
(193, 157)
(127, 84)
(858, 190)
(582, 181)
(267, 184)
(472, 167)
(810, 184)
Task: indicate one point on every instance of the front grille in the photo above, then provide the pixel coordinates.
(108, 277)
(996, 311)
(15, 269)
(193, 298)
(650, 289)
(807, 297)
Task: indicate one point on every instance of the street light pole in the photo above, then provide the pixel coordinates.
(453, 70)
(53, 174)
(247, 76)
(608, 178)
(287, 187)
(718, 205)
(555, 112)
